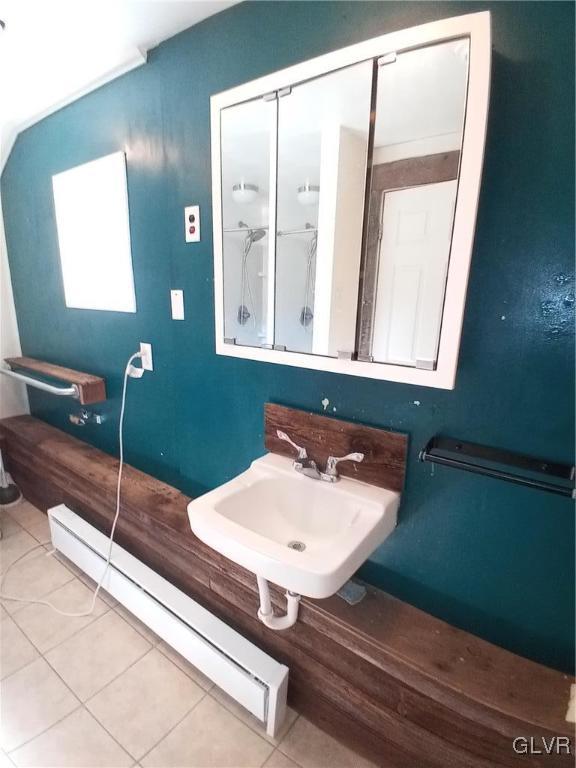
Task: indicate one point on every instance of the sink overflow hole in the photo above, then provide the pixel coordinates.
(299, 546)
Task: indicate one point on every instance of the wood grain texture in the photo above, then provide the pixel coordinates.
(384, 452)
(392, 682)
(413, 171)
(92, 389)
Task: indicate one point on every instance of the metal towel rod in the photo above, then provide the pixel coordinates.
(71, 391)
(472, 457)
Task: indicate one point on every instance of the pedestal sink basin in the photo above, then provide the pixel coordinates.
(305, 535)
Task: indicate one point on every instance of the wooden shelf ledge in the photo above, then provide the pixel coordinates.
(92, 389)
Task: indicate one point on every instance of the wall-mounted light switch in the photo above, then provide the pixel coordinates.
(177, 301)
(192, 223)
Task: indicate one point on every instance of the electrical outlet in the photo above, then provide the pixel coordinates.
(146, 359)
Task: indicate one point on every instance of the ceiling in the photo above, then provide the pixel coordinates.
(53, 51)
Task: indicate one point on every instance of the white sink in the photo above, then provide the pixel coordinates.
(305, 535)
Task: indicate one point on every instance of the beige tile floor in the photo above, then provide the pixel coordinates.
(105, 691)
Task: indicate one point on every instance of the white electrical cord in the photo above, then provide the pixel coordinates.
(127, 372)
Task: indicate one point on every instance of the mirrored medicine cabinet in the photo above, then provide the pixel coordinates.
(345, 191)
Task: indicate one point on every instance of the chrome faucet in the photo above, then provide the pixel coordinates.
(330, 474)
(308, 467)
(302, 464)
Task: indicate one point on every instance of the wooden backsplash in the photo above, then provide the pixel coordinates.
(384, 452)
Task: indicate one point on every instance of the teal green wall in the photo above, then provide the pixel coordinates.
(493, 558)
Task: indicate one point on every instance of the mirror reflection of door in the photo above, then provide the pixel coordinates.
(248, 131)
(420, 108)
(323, 127)
(416, 227)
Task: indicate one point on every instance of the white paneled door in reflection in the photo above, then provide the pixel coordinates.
(416, 229)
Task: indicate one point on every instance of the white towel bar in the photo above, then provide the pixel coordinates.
(71, 391)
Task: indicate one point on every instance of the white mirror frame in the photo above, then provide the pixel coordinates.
(476, 27)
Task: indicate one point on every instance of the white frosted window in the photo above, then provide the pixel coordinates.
(91, 203)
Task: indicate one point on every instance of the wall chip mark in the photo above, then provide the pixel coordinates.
(325, 403)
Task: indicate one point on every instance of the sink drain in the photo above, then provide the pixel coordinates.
(299, 546)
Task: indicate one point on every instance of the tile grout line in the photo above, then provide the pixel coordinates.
(235, 716)
(7, 756)
(93, 715)
(113, 678)
(82, 705)
(165, 654)
(41, 733)
(284, 739)
(116, 677)
(136, 629)
(48, 650)
(43, 657)
(220, 703)
(24, 559)
(28, 531)
(15, 671)
(137, 760)
(252, 726)
(284, 754)
(80, 575)
(169, 731)
(41, 654)
(153, 646)
(25, 528)
(6, 536)
(23, 556)
(124, 749)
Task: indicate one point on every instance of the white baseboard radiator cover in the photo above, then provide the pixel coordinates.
(247, 674)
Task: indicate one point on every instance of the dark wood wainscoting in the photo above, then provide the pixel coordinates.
(395, 684)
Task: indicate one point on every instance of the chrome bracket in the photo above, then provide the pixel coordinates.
(388, 58)
(352, 592)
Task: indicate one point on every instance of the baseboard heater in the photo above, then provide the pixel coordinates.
(257, 681)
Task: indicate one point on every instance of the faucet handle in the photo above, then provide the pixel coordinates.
(302, 452)
(331, 472)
